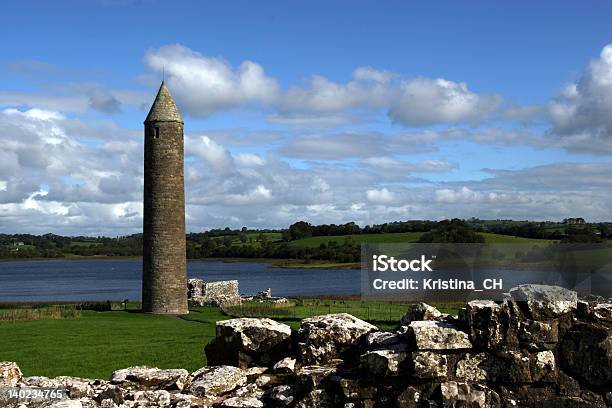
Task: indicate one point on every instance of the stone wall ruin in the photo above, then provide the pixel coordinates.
(530, 350)
(219, 294)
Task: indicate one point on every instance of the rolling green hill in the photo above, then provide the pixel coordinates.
(509, 239)
(314, 242)
(402, 237)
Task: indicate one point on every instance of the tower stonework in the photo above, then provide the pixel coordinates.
(164, 280)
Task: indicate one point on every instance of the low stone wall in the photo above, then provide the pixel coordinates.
(541, 347)
(221, 293)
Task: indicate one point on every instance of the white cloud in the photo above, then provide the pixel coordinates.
(249, 160)
(322, 95)
(203, 85)
(372, 74)
(463, 195)
(260, 194)
(215, 155)
(50, 174)
(380, 196)
(63, 175)
(583, 108)
(424, 101)
(410, 102)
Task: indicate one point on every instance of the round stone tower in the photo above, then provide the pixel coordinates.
(164, 277)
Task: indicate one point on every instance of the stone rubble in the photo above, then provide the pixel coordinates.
(540, 347)
(225, 294)
(265, 296)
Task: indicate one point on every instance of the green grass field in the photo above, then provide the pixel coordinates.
(402, 237)
(509, 239)
(85, 244)
(98, 343)
(314, 242)
(270, 236)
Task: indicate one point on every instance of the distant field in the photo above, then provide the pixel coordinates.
(85, 244)
(270, 236)
(400, 237)
(314, 242)
(508, 239)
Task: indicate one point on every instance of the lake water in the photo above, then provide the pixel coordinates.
(117, 279)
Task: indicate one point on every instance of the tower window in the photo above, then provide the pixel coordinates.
(156, 134)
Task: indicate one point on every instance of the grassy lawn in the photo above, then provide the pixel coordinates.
(98, 343)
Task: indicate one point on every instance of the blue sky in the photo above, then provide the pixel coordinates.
(328, 111)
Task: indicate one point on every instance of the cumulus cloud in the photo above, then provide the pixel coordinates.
(49, 173)
(380, 196)
(426, 101)
(204, 85)
(410, 102)
(553, 191)
(322, 95)
(582, 109)
(214, 155)
(464, 194)
(61, 174)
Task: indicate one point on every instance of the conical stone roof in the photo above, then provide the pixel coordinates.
(164, 108)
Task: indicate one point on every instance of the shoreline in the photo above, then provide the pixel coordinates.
(276, 263)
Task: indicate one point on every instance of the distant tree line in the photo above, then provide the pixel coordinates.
(566, 233)
(270, 243)
(346, 250)
(455, 231)
(302, 229)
